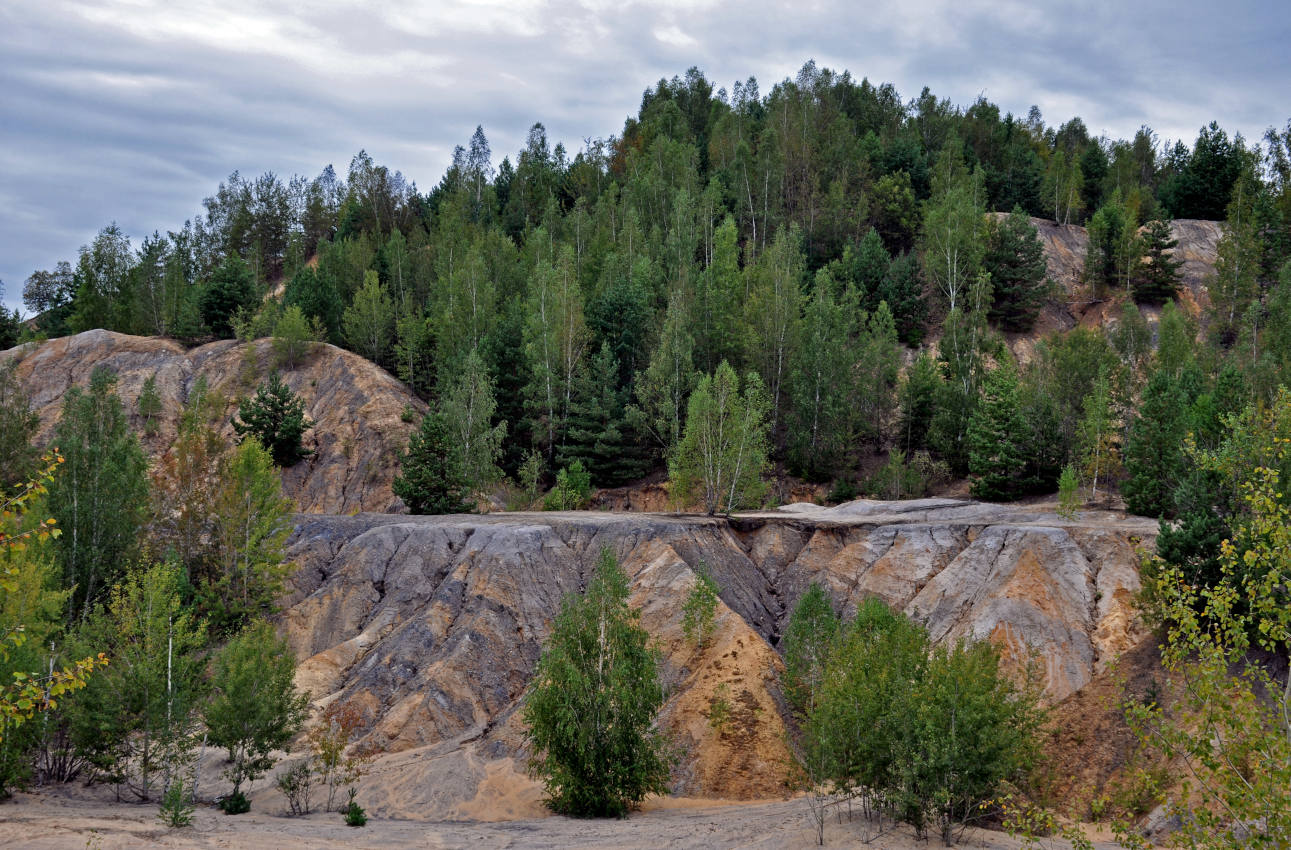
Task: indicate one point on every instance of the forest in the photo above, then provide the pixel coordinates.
(862, 259)
(826, 283)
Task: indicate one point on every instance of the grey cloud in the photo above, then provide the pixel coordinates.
(117, 111)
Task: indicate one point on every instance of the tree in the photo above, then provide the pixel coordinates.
(1014, 258)
(592, 706)
(1156, 277)
(1230, 728)
(1152, 452)
(252, 521)
(824, 417)
(254, 707)
(664, 386)
(952, 229)
(996, 433)
(149, 405)
(293, 337)
(572, 491)
(773, 309)
(141, 710)
(724, 450)
(23, 599)
(917, 403)
(430, 479)
(369, 320)
(1068, 493)
(700, 607)
(807, 643)
(1099, 456)
(232, 287)
(275, 417)
(102, 493)
(468, 408)
(598, 431)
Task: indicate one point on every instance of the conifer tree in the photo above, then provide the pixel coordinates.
(918, 400)
(1015, 260)
(1152, 451)
(276, 417)
(430, 479)
(598, 431)
(1156, 277)
(996, 434)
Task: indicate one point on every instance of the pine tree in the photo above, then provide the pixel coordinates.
(1153, 449)
(430, 479)
(232, 287)
(918, 401)
(275, 416)
(1156, 277)
(1015, 260)
(996, 433)
(255, 708)
(592, 706)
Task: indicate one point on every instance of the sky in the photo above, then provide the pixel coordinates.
(133, 111)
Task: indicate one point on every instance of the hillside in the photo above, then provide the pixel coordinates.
(356, 407)
(431, 626)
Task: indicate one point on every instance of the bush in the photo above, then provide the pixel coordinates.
(698, 610)
(235, 804)
(927, 734)
(354, 814)
(297, 785)
(177, 805)
(592, 707)
(573, 489)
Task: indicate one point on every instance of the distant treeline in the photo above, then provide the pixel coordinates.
(809, 236)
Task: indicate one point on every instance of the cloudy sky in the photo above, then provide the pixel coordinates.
(134, 110)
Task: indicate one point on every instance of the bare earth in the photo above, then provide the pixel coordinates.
(76, 818)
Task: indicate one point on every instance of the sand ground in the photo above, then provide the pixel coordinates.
(63, 818)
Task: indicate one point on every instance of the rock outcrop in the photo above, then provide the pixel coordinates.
(431, 626)
(356, 407)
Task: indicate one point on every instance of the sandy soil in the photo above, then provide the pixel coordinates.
(75, 818)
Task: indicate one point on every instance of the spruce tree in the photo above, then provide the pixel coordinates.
(592, 706)
(276, 417)
(430, 479)
(598, 431)
(1156, 277)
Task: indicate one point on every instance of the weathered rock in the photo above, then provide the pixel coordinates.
(356, 407)
(432, 625)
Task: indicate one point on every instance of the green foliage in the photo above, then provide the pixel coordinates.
(1068, 493)
(807, 642)
(724, 450)
(598, 431)
(235, 804)
(591, 708)
(293, 337)
(698, 610)
(100, 497)
(232, 287)
(468, 409)
(430, 479)
(824, 417)
(275, 417)
(177, 806)
(996, 434)
(137, 713)
(573, 489)
(1153, 450)
(928, 733)
(354, 814)
(254, 707)
(1015, 260)
(664, 386)
(1156, 278)
(149, 405)
(369, 320)
(1229, 727)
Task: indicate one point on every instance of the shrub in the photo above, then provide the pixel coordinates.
(235, 804)
(592, 707)
(573, 489)
(698, 610)
(176, 805)
(297, 785)
(354, 814)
